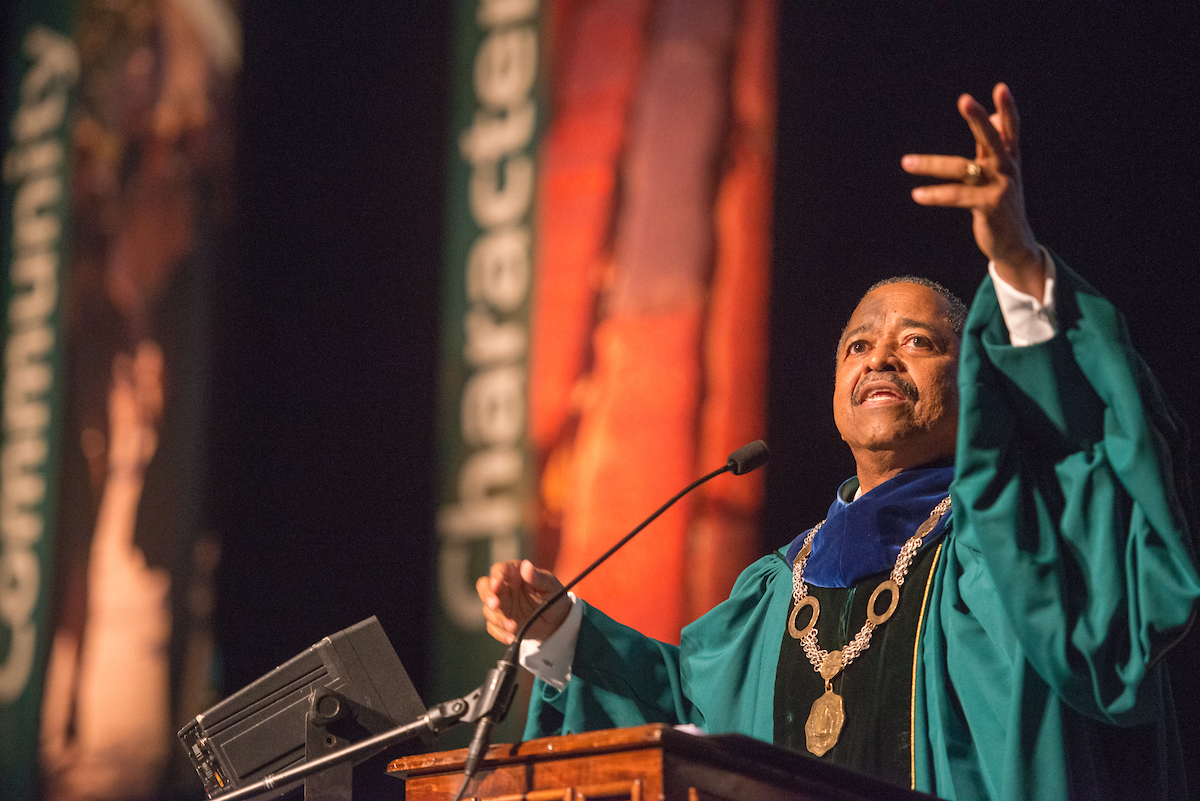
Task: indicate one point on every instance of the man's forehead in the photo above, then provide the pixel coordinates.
(907, 303)
(911, 302)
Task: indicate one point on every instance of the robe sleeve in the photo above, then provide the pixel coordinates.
(1072, 550)
(720, 678)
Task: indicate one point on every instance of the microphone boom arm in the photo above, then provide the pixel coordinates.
(501, 684)
(604, 557)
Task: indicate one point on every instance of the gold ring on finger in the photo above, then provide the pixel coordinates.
(973, 175)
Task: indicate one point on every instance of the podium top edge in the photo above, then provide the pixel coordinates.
(651, 734)
(732, 752)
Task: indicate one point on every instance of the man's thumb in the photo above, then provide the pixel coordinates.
(539, 580)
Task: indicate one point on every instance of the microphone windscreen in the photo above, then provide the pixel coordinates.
(748, 457)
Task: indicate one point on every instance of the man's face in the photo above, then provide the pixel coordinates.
(897, 371)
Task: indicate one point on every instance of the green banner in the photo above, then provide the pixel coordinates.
(43, 77)
(485, 464)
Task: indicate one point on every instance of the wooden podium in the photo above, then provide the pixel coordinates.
(640, 764)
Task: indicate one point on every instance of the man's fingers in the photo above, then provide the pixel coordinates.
(541, 581)
(988, 142)
(996, 137)
(498, 619)
(956, 195)
(499, 634)
(997, 122)
(1009, 121)
(483, 587)
(499, 624)
(503, 574)
(510, 592)
(950, 168)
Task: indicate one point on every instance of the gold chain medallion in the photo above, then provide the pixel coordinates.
(828, 714)
(824, 722)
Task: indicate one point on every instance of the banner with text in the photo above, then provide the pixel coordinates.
(486, 470)
(42, 82)
(605, 307)
(119, 175)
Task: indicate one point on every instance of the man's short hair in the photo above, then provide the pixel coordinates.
(956, 316)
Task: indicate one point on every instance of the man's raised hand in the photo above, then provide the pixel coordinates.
(993, 192)
(511, 591)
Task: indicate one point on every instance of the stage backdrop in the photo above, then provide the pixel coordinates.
(605, 303)
(119, 186)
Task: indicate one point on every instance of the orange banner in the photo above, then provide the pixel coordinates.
(648, 361)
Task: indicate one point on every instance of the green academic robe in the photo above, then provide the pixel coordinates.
(1066, 572)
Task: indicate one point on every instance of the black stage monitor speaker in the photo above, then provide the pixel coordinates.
(266, 726)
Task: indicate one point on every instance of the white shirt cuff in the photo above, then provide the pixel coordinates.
(550, 659)
(1030, 321)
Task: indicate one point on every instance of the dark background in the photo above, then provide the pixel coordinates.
(325, 339)
(323, 471)
(327, 343)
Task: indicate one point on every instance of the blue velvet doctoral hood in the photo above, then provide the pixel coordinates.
(864, 536)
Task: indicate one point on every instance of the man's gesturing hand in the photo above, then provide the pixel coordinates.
(510, 593)
(994, 193)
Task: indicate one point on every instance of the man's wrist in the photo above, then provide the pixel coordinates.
(1030, 318)
(550, 659)
(1024, 271)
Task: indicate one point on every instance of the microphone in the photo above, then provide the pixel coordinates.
(500, 685)
(748, 458)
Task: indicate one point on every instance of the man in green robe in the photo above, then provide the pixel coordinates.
(1004, 644)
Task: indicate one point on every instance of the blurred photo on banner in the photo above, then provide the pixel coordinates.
(150, 145)
(649, 353)
(605, 302)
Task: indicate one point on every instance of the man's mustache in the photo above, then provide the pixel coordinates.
(906, 388)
